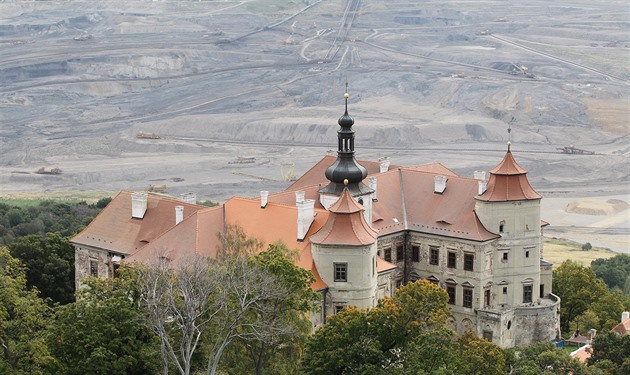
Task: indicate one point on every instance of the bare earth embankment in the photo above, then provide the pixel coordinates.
(219, 81)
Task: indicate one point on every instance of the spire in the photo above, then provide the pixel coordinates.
(508, 182)
(346, 166)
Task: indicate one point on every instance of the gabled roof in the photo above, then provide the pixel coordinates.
(508, 182)
(406, 200)
(115, 230)
(197, 235)
(346, 225)
(622, 328)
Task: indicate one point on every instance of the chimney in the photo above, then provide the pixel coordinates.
(299, 196)
(480, 176)
(188, 198)
(179, 214)
(306, 215)
(483, 185)
(384, 164)
(264, 194)
(373, 187)
(440, 184)
(138, 204)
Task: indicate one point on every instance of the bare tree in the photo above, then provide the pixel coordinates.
(179, 304)
(207, 300)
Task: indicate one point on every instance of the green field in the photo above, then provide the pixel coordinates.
(33, 199)
(557, 251)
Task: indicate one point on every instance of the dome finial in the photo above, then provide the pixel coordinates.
(509, 143)
(345, 182)
(346, 96)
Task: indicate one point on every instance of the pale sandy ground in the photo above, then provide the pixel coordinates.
(609, 231)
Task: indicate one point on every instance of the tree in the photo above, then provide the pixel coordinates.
(378, 340)
(50, 265)
(23, 315)
(577, 286)
(614, 271)
(205, 301)
(274, 332)
(543, 358)
(479, 356)
(103, 332)
(611, 350)
(587, 246)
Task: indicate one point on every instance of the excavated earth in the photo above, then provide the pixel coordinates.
(243, 94)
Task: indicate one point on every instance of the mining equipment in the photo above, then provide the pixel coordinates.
(574, 151)
(44, 170)
(242, 160)
(288, 174)
(144, 135)
(157, 188)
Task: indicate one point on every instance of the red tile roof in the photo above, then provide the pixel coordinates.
(346, 225)
(115, 230)
(508, 182)
(622, 328)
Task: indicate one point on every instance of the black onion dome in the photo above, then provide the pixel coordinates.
(346, 167)
(346, 121)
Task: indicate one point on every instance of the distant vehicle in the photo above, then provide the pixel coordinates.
(574, 151)
(44, 170)
(144, 135)
(157, 188)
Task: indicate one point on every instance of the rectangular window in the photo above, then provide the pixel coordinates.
(487, 335)
(505, 290)
(450, 289)
(338, 308)
(341, 271)
(398, 283)
(434, 255)
(469, 262)
(451, 261)
(486, 297)
(399, 254)
(94, 268)
(415, 254)
(388, 255)
(527, 254)
(505, 257)
(542, 290)
(468, 297)
(527, 293)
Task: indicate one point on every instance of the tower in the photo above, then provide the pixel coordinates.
(344, 251)
(346, 172)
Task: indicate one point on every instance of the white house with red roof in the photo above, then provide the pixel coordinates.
(363, 229)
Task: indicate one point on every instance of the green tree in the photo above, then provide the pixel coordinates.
(377, 340)
(577, 286)
(543, 358)
(23, 316)
(611, 351)
(103, 332)
(587, 246)
(614, 271)
(479, 356)
(50, 265)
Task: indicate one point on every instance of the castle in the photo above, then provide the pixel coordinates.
(364, 229)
